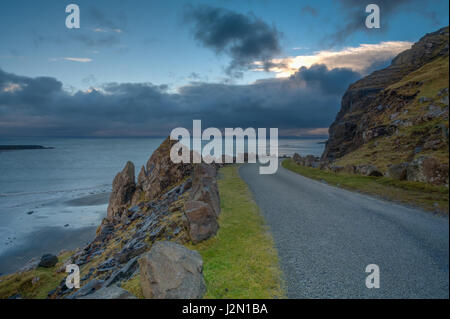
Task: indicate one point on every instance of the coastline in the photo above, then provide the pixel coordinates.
(46, 240)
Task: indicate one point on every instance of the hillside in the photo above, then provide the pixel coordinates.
(396, 119)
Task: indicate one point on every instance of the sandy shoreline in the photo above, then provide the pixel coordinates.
(89, 200)
(52, 239)
(47, 240)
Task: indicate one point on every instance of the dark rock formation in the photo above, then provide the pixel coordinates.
(122, 191)
(172, 271)
(48, 260)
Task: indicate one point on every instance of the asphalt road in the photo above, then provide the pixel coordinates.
(326, 236)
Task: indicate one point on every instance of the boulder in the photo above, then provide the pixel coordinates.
(428, 170)
(368, 170)
(397, 171)
(202, 221)
(48, 261)
(349, 169)
(122, 192)
(171, 271)
(204, 186)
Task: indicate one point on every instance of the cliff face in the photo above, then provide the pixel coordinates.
(397, 114)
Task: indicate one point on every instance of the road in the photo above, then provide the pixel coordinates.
(326, 236)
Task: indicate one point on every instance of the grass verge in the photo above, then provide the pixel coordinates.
(432, 198)
(241, 261)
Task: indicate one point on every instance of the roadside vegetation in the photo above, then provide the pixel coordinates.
(432, 198)
(241, 261)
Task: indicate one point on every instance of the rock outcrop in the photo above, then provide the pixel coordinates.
(172, 271)
(170, 202)
(160, 172)
(397, 114)
(123, 189)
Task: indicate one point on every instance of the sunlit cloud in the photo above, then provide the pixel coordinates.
(81, 60)
(358, 59)
(105, 30)
(11, 87)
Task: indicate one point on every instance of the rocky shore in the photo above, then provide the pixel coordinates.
(149, 220)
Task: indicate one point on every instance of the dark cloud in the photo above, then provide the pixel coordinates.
(355, 16)
(40, 106)
(245, 38)
(309, 10)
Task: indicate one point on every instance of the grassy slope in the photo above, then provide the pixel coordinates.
(400, 147)
(241, 261)
(420, 194)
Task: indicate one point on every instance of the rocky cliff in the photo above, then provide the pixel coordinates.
(397, 118)
(176, 203)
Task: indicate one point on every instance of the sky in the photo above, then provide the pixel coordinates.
(142, 68)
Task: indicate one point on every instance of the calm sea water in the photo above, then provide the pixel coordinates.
(67, 187)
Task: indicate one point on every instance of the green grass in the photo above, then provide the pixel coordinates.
(22, 283)
(419, 194)
(241, 261)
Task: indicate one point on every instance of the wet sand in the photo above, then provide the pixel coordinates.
(47, 240)
(90, 200)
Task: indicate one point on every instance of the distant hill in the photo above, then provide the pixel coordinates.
(398, 115)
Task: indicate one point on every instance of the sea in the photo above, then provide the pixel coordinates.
(53, 199)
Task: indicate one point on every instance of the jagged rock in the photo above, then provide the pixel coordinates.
(133, 248)
(202, 221)
(171, 271)
(397, 171)
(429, 170)
(123, 273)
(160, 171)
(48, 261)
(113, 292)
(204, 186)
(122, 191)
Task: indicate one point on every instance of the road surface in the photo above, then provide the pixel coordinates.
(326, 236)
